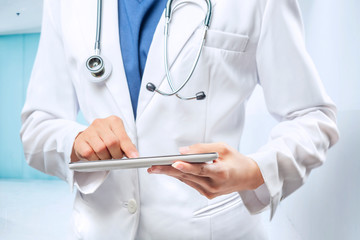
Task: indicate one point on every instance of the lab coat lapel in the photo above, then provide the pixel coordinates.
(185, 21)
(110, 50)
(117, 83)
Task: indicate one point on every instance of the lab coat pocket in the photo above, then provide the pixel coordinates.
(218, 207)
(226, 41)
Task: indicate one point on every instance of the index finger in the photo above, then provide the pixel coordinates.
(126, 144)
(198, 169)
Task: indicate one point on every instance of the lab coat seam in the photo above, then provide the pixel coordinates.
(79, 28)
(76, 108)
(210, 227)
(236, 35)
(39, 151)
(257, 53)
(55, 148)
(138, 199)
(293, 226)
(225, 50)
(217, 208)
(207, 111)
(248, 200)
(258, 199)
(45, 169)
(269, 204)
(300, 112)
(51, 17)
(268, 183)
(239, 40)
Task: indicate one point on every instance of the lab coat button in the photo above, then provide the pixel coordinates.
(132, 206)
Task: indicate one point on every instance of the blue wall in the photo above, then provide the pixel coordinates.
(19, 51)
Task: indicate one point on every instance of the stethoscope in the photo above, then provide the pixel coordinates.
(100, 69)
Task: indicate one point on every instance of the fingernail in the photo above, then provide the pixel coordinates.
(184, 150)
(134, 155)
(178, 166)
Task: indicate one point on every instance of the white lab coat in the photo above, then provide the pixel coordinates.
(249, 43)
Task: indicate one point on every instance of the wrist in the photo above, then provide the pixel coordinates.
(255, 176)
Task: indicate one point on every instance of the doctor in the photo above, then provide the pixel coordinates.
(246, 43)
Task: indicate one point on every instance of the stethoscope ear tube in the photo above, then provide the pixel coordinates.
(208, 14)
(150, 86)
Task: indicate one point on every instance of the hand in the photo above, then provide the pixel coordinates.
(103, 139)
(231, 172)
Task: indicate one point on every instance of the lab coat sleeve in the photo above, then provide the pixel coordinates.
(49, 124)
(296, 97)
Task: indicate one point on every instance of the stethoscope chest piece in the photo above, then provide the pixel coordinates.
(98, 69)
(95, 65)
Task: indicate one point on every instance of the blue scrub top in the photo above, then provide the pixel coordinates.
(137, 23)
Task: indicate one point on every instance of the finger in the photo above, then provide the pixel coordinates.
(198, 169)
(84, 151)
(205, 182)
(112, 142)
(200, 184)
(126, 144)
(99, 147)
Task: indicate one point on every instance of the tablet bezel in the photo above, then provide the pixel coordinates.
(142, 162)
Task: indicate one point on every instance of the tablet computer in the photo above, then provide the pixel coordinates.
(143, 162)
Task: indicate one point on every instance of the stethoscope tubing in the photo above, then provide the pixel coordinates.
(168, 75)
(97, 46)
(96, 66)
(168, 10)
(168, 14)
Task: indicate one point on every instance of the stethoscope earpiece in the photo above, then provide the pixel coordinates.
(200, 95)
(151, 87)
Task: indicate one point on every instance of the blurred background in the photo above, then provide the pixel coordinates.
(36, 206)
